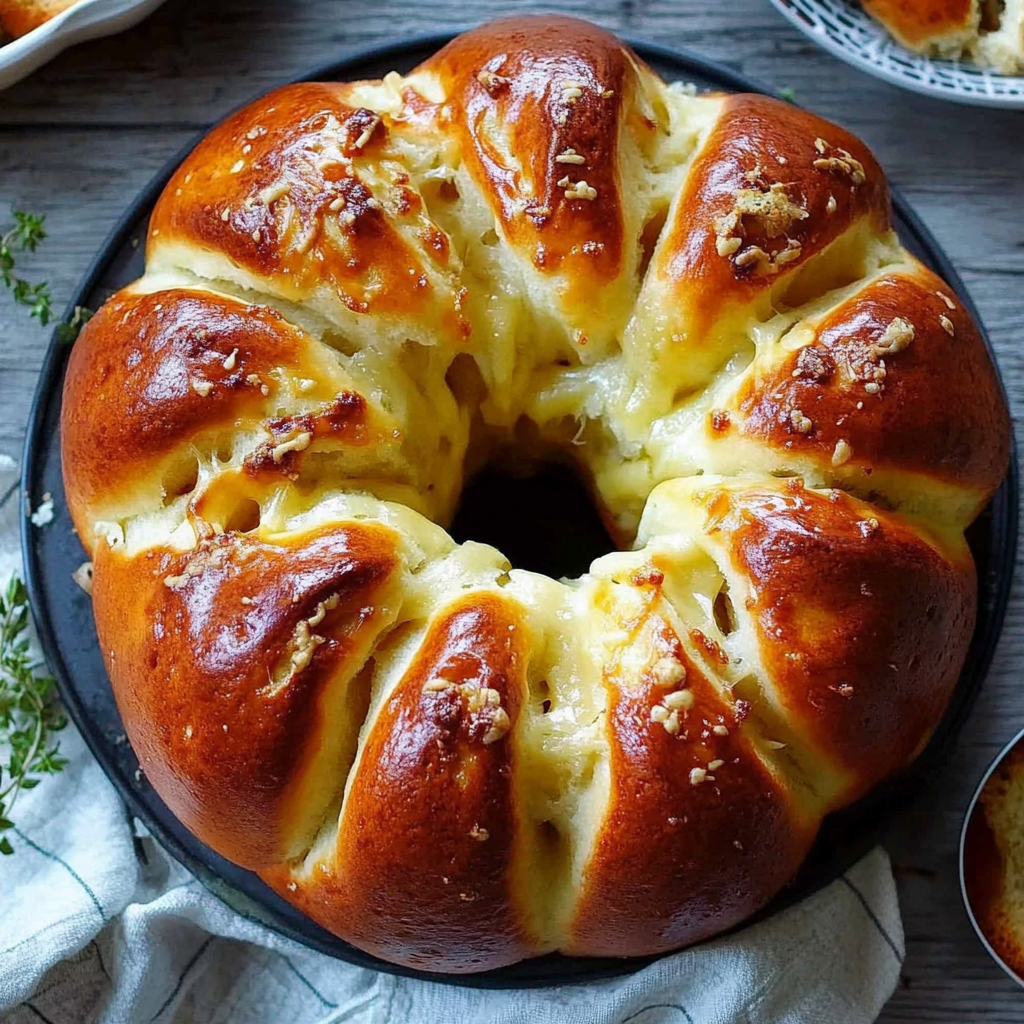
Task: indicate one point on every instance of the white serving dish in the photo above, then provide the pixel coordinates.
(88, 19)
(845, 30)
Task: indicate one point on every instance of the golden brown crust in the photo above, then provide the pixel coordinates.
(282, 190)
(862, 623)
(990, 878)
(919, 23)
(897, 377)
(157, 379)
(699, 833)
(150, 372)
(519, 98)
(423, 867)
(19, 17)
(239, 642)
(772, 186)
(343, 418)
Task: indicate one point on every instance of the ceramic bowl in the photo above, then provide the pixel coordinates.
(844, 29)
(88, 19)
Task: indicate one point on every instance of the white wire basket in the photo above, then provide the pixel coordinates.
(88, 19)
(845, 30)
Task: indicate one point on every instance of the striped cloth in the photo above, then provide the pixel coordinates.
(98, 924)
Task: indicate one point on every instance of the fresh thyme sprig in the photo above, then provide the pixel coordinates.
(29, 712)
(25, 236)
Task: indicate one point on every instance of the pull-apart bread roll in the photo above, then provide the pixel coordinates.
(356, 293)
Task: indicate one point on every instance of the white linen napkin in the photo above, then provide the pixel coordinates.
(97, 923)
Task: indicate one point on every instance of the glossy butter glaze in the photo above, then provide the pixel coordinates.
(863, 397)
(437, 773)
(698, 829)
(250, 643)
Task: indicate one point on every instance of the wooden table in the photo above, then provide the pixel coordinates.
(82, 136)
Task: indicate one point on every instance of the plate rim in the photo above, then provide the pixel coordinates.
(85, 20)
(45, 395)
(830, 45)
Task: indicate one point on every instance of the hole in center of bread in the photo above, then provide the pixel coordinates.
(543, 520)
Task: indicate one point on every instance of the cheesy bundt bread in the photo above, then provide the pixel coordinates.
(989, 32)
(355, 295)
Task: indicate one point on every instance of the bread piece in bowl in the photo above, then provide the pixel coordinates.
(19, 17)
(993, 860)
(989, 32)
(945, 27)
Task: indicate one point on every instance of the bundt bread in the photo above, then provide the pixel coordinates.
(355, 295)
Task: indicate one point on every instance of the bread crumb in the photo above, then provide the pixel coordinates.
(492, 83)
(800, 423)
(43, 514)
(897, 336)
(842, 453)
(841, 163)
(298, 443)
(83, 577)
(668, 672)
(581, 190)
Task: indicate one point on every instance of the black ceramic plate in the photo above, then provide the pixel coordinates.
(64, 615)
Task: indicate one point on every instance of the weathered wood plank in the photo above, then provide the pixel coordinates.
(81, 137)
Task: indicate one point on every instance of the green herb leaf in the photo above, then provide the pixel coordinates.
(28, 228)
(29, 713)
(25, 236)
(68, 331)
